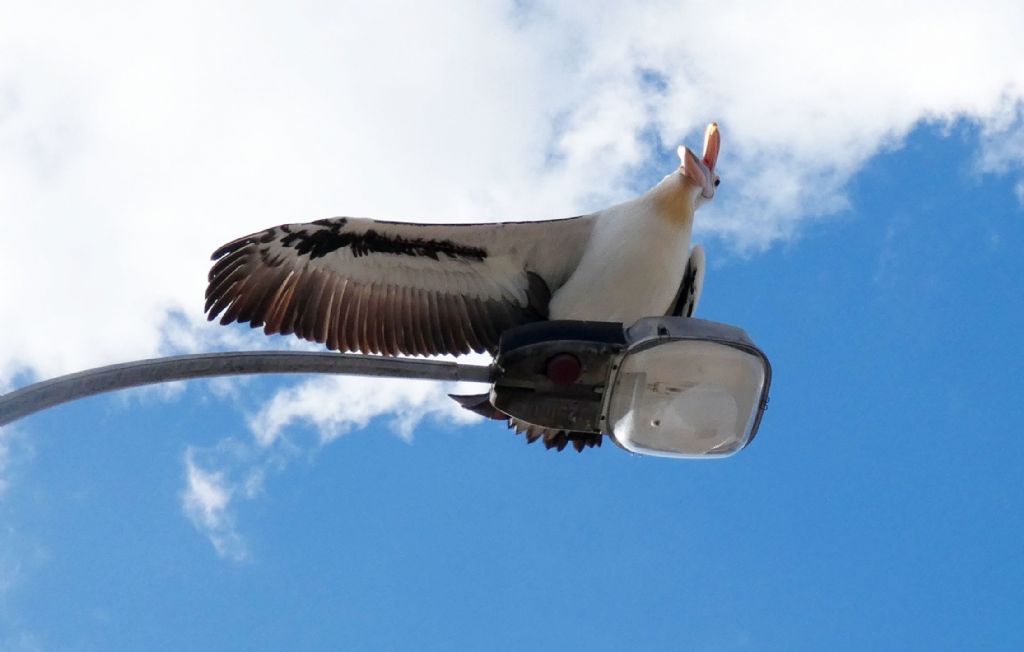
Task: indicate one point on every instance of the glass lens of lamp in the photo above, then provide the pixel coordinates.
(686, 398)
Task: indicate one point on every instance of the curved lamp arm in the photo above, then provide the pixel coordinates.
(48, 393)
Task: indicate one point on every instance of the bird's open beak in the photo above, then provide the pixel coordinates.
(712, 141)
(702, 171)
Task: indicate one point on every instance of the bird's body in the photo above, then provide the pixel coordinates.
(633, 261)
(400, 288)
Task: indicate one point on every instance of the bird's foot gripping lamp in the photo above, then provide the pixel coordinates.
(668, 386)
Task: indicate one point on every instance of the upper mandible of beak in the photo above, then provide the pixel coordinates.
(712, 141)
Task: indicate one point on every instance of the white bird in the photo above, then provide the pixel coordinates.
(375, 286)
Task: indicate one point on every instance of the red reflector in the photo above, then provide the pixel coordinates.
(564, 369)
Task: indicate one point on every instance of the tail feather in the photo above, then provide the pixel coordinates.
(479, 404)
(557, 439)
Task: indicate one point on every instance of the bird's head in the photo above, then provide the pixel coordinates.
(699, 173)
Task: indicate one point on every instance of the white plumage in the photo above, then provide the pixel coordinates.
(633, 262)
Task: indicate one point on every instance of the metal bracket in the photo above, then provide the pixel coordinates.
(49, 393)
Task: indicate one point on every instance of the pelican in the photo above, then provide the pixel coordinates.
(376, 286)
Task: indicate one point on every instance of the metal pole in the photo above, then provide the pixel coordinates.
(48, 393)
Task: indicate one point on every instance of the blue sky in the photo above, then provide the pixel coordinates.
(879, 507)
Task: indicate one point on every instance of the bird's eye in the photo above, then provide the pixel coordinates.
(717, 182)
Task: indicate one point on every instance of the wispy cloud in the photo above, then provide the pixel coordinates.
(5, 458)
(15, 450)
(217, 478)
(1001, 150)
(337, 405)
(206, 501)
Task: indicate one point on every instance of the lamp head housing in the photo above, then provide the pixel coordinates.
(665, 386)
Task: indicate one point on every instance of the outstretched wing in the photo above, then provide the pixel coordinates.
(690, 287)
(356, 284)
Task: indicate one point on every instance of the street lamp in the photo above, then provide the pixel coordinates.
(665, 386)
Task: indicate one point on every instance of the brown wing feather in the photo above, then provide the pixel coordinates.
(370, 290)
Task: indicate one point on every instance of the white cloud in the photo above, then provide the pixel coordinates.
(1002, 144)
(135, 138)
(337, 405)
(218, 477)
(206, 501)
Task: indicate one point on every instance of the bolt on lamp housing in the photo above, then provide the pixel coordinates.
(665, 386)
